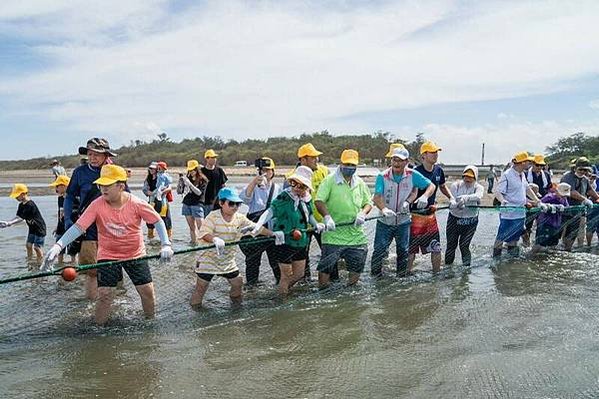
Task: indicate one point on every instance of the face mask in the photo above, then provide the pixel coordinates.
(348, 171)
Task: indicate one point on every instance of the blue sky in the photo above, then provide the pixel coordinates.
(515, 75)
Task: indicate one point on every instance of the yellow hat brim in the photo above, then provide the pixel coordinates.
(105, 181)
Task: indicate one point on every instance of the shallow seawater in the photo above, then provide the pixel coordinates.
(521, 328)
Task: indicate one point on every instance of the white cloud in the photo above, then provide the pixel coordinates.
(594, 104)
(241, 69)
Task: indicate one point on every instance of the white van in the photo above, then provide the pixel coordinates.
(241, 164)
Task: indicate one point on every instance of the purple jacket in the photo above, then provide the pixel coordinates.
(552, 219)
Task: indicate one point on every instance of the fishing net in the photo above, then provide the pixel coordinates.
(36, 303)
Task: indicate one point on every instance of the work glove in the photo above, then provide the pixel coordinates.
(50, 258)
(4, 224)
(360, 219)
(560, 208)
(329, 223)
(453, 203)
(388, 212)
(279, 237)
(422, 202)
(166, 253)
(544, 207)
(219, 246)
(319, 228)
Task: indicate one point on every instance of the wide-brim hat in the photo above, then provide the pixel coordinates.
(302, 174)
(564, 189)
(97, 144)
(61, 180)
(17, 190)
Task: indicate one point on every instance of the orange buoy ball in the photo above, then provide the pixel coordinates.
(69, 273)
(296, 235)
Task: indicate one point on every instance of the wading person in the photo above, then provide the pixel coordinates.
(292, 212)
(308, 156)
(549, 223)
(164, 196)
(343, 197)
(28, 212)
(462, 220)
(118, 216)
(491, 179)
(258, 196)
(512, 191)
(395, 189)
(83, 190)
(581, 193)
(60, 185)
(221, 226)
(194, 185)
(57, 169)
(217, 178)
(424, 230)
(149, 190)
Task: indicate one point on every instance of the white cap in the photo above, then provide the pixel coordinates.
(303, 174)
(564, 189)
(400, 153)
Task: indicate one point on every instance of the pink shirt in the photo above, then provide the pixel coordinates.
(119, 229)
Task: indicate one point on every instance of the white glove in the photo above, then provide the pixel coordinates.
(360, 219)
(422, 202)
(560, 208)
(544, 207)
(461, 202)
(388, 212)
(50, 258)
(219, 246)
(453, 203)
(504, 203)
(319, 228)
(158, 195)
(588, 203)
(4, 224)
(279, 237)
(329, 223)
(166, 253)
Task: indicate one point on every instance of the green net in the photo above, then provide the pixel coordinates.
(43, 303)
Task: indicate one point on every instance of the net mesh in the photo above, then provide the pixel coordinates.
(37, 303)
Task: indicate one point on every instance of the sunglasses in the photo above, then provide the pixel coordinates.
(297, 185)
(233, 204)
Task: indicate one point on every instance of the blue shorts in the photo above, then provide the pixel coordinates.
(197, 211)
(37, 241)
(510, 229)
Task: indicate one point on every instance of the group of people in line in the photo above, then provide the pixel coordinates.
(102, 221)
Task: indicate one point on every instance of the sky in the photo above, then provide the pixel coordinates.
(515, 75)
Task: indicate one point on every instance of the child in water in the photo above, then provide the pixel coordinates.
(29, 213)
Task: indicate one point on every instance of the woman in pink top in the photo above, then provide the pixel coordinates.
(118, 216)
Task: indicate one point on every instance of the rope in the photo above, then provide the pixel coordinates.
(29, 276)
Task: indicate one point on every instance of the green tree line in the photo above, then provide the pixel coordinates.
(565, 149)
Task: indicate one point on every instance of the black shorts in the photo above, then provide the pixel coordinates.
(208, 276)
(287, 254)
(137, 270)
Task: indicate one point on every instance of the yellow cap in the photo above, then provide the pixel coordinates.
(392, 147)
(539, 159)
(210, 154)
(17, 190)
(192, 164)
(111, 174)
(308, 150)
(350, 157)
(61, 180)
(429, 146)
(522, 156)
(272, 163)
(468, 173)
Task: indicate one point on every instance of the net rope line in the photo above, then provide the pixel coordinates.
(56, 272)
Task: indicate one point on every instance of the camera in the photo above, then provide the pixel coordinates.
(262, 163)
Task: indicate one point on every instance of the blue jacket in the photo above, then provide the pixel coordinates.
(80, 187)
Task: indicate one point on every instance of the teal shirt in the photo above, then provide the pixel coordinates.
(287, 218)
(344, 201)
